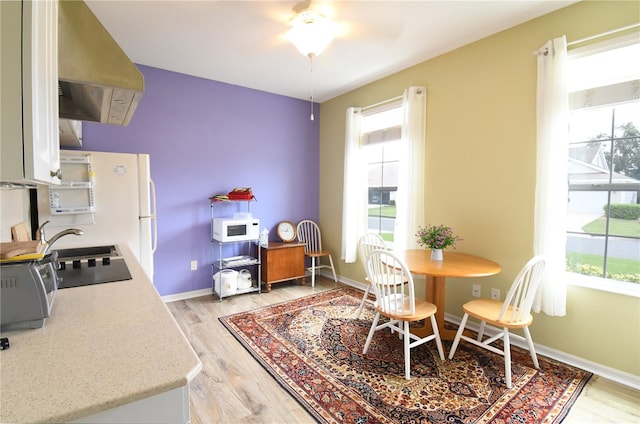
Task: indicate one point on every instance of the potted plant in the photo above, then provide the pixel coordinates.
(436, 238)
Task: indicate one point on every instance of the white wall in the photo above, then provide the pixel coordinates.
(14, 208)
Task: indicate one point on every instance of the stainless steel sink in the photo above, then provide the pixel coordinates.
(83, 266)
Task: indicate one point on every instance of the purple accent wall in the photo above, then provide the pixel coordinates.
(204, 138)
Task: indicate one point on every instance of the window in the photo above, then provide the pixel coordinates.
(379, 139)
(603, 234)
(384, 163)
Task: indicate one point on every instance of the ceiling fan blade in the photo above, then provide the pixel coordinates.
(302, 6)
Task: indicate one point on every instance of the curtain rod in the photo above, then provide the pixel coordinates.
(604, 34)
(381, 103)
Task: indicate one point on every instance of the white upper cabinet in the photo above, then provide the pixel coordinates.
(30, 150)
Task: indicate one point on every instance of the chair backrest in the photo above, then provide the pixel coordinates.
(309, 234)
(368, 243)
(519, 299)
(387, 274)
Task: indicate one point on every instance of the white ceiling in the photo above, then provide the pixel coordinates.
(243, 43)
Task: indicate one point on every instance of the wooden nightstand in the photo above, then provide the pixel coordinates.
(282, 262)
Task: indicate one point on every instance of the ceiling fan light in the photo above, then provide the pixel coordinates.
(311, 32)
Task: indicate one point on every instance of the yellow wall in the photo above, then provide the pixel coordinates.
(480, 175)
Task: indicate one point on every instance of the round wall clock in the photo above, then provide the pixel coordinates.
(286, 231)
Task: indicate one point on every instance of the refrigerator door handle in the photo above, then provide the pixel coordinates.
(152, 215)
(155, 234)
(155, 218)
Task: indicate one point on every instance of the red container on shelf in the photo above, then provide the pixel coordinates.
(247, 195)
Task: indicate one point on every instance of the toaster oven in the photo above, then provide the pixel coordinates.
(28, 289)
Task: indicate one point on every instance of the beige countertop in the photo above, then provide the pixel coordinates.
(103, 346)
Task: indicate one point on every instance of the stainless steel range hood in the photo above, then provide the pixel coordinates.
(97, 81)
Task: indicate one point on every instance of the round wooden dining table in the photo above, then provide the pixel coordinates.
(459, 265)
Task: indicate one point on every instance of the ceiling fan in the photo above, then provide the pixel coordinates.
(311, 30)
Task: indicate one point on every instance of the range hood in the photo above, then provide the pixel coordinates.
(97, 81)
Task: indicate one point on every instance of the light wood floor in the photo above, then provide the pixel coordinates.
(234, 388)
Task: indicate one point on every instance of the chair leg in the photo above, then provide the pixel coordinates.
(374, 324)
(507, 358)
(481, 330)
(532, 350)
(407, 351)
(456, 340)
(364, 298)
(333, 269)
(313, 272)
(436, 332)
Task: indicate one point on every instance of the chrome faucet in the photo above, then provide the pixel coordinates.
(48, 243)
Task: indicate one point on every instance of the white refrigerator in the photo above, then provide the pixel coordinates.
(110, 196)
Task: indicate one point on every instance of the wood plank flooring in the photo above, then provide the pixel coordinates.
(235, 388)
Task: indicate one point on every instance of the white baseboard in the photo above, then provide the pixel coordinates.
(187, 295)
(353, 283)
(609, 373)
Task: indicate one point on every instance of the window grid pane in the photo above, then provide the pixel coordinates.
(382, 177)
(603, 237)
(380, 135)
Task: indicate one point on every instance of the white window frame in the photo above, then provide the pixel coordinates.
(410, 197)
(389, 133)
(615, 91)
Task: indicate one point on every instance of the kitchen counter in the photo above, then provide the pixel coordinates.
(104, 346)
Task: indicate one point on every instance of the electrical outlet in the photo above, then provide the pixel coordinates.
(194, 265)
(495, 294)
(475, 290)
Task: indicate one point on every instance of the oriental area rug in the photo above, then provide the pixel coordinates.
(313, 347)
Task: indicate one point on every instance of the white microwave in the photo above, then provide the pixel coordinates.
(225, 229)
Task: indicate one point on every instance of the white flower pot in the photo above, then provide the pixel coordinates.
(436, 255)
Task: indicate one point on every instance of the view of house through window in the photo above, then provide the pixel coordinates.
(380, 135)
(603, 234)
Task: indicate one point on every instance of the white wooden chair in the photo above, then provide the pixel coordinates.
(396, 300)
(514, 312)
(369, 242)
(309, 234)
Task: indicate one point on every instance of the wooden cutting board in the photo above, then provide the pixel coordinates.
(21, 250)
(20, 232)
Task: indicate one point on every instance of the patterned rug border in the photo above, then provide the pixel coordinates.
(564, 402)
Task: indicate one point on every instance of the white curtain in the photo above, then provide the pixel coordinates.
(354, 195)
(551, 176)
(410, 195)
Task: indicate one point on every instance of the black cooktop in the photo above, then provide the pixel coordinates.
(87, 273)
